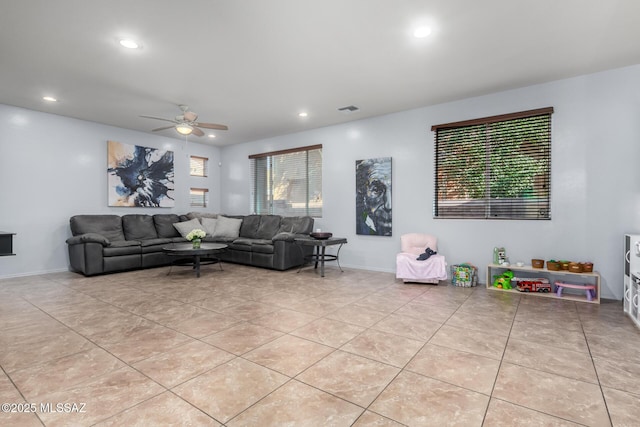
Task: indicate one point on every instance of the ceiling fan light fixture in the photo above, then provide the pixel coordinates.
(184, 129)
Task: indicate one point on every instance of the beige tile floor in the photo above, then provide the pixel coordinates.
(253, 347)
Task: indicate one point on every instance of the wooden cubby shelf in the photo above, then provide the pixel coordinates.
(527, 271)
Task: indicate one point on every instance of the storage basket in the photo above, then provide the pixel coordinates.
(537, 263)
(553, 265)
(465, 275)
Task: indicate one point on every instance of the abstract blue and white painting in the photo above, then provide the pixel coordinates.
(140, 176)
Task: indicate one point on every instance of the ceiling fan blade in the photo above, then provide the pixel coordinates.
(197, 131)
(211, 126)
(158, 118)
(162, 128)
(190, 116)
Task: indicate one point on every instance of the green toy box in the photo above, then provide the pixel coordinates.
(465, 275)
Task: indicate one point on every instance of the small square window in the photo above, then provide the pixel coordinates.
(199, 197)
(198, 166)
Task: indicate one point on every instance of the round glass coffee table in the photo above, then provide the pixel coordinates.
(185, 254)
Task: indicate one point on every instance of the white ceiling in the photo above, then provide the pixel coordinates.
(254, 64)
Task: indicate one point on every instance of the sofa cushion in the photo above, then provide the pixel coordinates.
(227, 228)
(252, 245)
(110, 226)
(200, 215)
(263, 248)
(209, 225)
(249, 227)
(122, 247)
(164, 225)
(285, 236)
(250, 242)
(138, 227)
(297, 224)
(154, 242)
(125, 244)
(211, 239)
(154, 245)
(239, 245)
(185, 227)
(269, 226)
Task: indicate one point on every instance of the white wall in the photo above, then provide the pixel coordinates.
(595, 171)
(53, 167)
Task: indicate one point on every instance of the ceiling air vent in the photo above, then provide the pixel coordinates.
(348, 109)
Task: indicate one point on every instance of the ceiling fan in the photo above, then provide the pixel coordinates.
(186, 124)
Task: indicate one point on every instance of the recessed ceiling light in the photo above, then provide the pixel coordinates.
(129, 44)
(211, 136)
(303, 114)
(421, 32)
(49, 99)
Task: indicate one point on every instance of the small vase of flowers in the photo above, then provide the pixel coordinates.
(195, 237)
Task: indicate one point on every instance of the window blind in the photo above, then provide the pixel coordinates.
(494, 168)
(198, 197)
(198, 165)
(287, 182)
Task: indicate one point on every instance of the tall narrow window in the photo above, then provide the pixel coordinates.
(495, 167)
(199, 197)
(198, 165)
(287, 182)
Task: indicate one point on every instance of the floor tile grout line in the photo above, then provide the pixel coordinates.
(506, 344)
(538, 411)
(593, 364)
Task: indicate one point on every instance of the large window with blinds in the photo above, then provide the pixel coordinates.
(287, 182)
(494, 168)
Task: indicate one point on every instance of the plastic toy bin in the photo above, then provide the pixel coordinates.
(465, 275)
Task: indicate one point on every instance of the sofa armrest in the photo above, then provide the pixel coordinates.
(285, 236)
(89, 238)
(289, 237)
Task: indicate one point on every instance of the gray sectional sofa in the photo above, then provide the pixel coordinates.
(109, 243)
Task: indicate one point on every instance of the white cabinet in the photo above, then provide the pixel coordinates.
(631, 296)
(527, 271)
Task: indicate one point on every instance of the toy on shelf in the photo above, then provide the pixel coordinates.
(533, 285)
(503, 281)
(590, 290)
(500, 256)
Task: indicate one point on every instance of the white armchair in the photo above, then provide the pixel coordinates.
(410, 269)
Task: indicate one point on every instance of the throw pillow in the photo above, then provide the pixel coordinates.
(227, 228)
(209, 225)
(185, 227)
